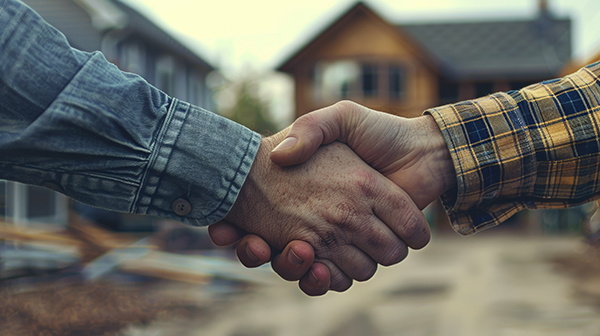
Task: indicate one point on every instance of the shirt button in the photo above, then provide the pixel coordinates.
(181, 207)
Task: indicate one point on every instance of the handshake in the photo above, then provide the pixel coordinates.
(336, 193)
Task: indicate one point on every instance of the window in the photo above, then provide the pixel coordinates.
(353, 79)
(195, 88)
(132, 57)
(335, 80)
(165, 80)
(24, 204)
(396, 82)
(369, 80)
(165, 75)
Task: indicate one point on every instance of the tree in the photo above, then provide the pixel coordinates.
(250, 110)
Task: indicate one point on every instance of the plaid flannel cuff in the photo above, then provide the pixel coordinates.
(493, 157)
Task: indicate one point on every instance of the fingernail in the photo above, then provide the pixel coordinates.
(312, 277)
(250, 254)
(285, 144)
(294, 258)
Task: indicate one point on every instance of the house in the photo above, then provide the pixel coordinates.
(406, 68)
(134, 44)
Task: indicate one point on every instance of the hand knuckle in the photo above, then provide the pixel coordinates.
(410, 227)
(401, 202)
(413, 227)
(366, 183)
(340, 283)
(306, 119)
(376, 238)
(395, 255)
(366, 272)
(345, 106)
(344, 215)
(328, 240)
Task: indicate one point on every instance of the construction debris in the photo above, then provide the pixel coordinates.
(99, 252)
(87, 280)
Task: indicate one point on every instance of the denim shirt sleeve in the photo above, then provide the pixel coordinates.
(72, 120)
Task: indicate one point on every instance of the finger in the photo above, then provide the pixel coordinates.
(253, 251)
(313, 130)
(225, 233)
(295, 260)
(339, 281)
(402, 215)
(353, 262)
(317, 281)
(380, 242)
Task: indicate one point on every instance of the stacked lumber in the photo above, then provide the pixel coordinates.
(96, 252)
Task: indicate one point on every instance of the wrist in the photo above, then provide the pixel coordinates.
(438, 149)
(255, 179)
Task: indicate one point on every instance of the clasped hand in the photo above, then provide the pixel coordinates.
(353, 203)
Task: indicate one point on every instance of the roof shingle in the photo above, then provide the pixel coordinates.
(479, 50)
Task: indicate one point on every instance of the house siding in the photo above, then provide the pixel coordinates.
(142, 48)
(78, 28)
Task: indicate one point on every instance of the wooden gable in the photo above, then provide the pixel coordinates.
(361, 35)
(358, 32)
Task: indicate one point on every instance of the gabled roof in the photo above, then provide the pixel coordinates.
(537, 48)
(527, 48)
(71, 19)
(141, 25)
(345, 19)
(85, 21)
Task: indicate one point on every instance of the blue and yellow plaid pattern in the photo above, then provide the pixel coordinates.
(533, 148)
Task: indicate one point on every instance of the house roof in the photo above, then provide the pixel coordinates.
(85, 21)
(71, 19)
(347, 18)
(475, 50)
(537, 48)
(138, 23)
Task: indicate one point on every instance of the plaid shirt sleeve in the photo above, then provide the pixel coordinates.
(533, 148)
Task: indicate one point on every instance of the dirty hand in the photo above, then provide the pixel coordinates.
(410, 152)
(348, 213)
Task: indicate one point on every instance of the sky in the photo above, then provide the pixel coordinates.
(254, 37)
(235, 35)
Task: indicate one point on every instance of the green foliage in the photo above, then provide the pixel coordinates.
(250, 110)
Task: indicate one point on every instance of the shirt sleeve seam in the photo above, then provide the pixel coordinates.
(247, 159)
(155, 153)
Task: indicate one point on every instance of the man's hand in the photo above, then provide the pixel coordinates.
(292, 264)
(410, 152)
(352, 216)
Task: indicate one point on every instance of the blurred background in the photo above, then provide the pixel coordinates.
(69, 269)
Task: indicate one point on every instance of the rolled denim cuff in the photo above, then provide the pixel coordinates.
(201, 159)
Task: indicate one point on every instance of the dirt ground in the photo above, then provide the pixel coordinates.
(583, 266)
(82, 308)
(505, 285)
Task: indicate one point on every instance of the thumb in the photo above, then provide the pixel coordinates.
(309, 132)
